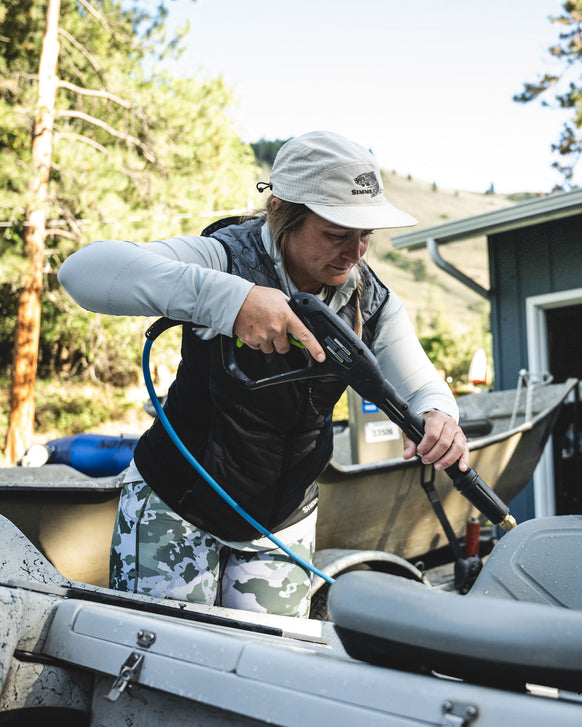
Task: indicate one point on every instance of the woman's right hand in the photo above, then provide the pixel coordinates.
(265, 321)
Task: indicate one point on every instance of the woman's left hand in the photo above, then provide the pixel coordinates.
(442, 445)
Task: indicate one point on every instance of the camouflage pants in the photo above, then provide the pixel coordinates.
(154, 551)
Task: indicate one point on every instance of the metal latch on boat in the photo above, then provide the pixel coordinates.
(458, 714)
(129, 672)
(145, 638)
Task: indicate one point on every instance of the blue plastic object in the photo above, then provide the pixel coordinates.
(96, 455)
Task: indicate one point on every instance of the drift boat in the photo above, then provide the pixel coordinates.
(373, 514)
(382, 506)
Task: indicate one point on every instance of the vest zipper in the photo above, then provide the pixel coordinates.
(307, 387)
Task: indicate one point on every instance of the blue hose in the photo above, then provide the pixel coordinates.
(207, 477)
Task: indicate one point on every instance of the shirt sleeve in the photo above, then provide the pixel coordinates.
(182, 278)
(405, 364)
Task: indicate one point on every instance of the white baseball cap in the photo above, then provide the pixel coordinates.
(337, 179)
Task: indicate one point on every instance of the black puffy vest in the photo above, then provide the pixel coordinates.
(264, 447)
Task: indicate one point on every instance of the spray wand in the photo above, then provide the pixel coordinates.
(351, 361)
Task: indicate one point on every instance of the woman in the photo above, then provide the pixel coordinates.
(174, 537)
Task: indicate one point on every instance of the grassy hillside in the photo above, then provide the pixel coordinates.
(438, 291)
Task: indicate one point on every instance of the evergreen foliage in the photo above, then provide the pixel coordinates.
(566, 87)
(266, 151)
(451, 353)
(138, 154)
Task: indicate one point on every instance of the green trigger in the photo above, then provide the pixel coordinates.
(293, 341)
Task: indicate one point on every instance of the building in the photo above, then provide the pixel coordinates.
(535, 294)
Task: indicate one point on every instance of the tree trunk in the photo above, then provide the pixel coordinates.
(21, 424)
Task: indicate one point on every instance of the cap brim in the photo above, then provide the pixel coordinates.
(364, 216)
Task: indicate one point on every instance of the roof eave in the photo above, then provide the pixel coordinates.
(532, 212)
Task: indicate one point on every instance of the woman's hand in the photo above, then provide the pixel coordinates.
(265, 320)
(442, 445)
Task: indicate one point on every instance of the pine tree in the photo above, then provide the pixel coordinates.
(125, 151)
(566, 86)
(28, 314)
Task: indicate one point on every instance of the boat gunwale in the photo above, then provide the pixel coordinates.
(475, 444)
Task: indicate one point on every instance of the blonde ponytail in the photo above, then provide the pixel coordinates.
(358, 325)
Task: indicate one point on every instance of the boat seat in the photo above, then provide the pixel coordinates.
(537, 561)
(402, 624)
(475, 426)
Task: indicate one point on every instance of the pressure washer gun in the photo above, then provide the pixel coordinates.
(351, 361)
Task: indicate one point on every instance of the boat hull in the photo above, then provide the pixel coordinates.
(382, 506)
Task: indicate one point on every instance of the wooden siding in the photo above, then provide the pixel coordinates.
(534, 260)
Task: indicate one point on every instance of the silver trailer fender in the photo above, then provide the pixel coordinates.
(334, 562)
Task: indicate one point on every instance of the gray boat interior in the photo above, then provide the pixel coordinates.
(395, 652)
(521, 623)
(503, 413)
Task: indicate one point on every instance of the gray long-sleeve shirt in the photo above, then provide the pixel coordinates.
(185, 279)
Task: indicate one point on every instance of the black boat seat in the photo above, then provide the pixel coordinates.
(402, 624)
(537, 561)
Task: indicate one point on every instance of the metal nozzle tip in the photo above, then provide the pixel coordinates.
(508, 522)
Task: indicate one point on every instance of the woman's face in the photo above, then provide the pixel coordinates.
(323, 253)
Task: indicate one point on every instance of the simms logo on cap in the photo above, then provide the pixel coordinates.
(370, 182)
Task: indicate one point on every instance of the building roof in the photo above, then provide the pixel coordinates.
(531, 212)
